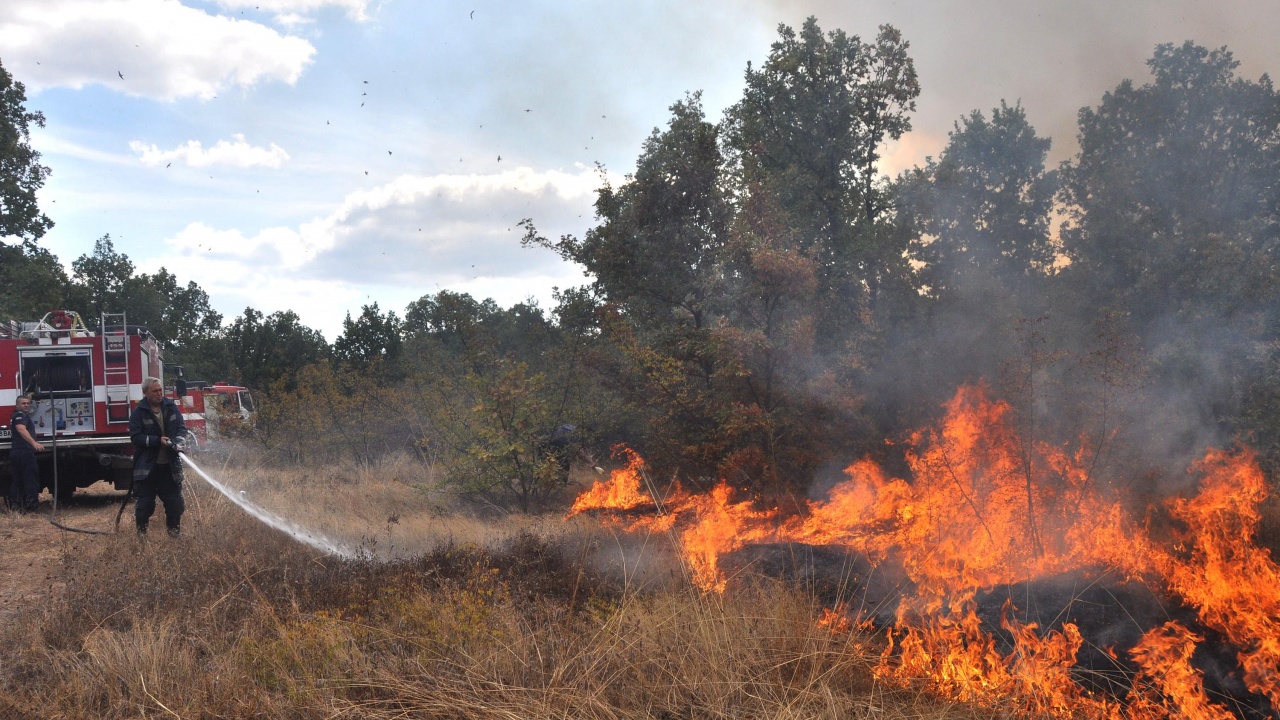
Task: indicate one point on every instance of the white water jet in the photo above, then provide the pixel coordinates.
(291, 529)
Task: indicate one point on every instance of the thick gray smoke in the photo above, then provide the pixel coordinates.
(1055, 56)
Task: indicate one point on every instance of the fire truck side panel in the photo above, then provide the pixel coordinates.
(85, 386)
(193, 414)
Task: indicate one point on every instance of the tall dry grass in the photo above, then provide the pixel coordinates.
(448, 615)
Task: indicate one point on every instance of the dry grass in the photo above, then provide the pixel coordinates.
(508, 617)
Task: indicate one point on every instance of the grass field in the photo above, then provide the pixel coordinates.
(452, 612)
(445, 609)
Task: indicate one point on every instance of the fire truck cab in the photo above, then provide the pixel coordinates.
(84, 386)
(209, 407)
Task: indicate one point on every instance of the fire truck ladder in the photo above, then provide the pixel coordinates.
(115, 365)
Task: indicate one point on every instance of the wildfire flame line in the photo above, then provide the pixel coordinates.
(986, 508)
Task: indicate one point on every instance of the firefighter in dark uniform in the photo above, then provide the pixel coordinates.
(24, 491)
(157, 431)
(564, 445)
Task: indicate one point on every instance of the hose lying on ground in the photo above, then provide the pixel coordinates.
(53, 515)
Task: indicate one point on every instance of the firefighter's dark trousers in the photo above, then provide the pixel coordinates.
(162, 483)
(24, 490)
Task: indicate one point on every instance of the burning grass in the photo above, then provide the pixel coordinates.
(501, 618)
(986, 509)
(899, 599)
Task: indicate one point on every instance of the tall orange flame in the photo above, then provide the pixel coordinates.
(621, 492)
(986, 507)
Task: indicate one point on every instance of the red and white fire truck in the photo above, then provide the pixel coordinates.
(84, 385)
(208, 408)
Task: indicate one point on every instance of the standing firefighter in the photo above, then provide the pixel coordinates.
(157, 430)
(24, 491)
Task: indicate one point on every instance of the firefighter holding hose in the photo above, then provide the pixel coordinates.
(157, 430)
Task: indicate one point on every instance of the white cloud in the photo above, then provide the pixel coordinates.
(234, 285)
(278, 247)
(49, 143)
(295, 10)
(412, 236)
(163, 49)
(237, 153)
(448, 219)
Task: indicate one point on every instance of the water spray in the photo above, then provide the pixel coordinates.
(319, 542)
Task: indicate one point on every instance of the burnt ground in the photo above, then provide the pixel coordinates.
(1111, 613)
(32, 548)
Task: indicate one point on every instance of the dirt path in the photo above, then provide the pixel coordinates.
(31, 548)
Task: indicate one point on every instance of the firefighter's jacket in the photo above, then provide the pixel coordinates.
(144, 431)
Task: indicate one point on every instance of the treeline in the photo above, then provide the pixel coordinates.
(766, 306)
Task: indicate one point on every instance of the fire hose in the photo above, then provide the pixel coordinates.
(53, 516)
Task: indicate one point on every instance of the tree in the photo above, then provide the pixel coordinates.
(324, 414)
(1175, 226)
(184, 316)
(737, 272)
(808, 133)
(99, 282)
(982, 208)
(1175, 207)
(492, 385)
(660, 232)
(21, 173)
(32, 282)
(180, 317)
(369, 338)
(269, 351)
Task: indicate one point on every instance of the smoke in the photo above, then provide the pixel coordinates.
(1055, 56)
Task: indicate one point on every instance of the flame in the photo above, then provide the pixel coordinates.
(621, 492)
(1234, 584)
(986, 506)
(836, 620)
(1167, 682)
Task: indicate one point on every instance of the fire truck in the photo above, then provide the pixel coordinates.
(207, 407)
(84, 385)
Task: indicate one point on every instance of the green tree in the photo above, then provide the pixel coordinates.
(185, 317)
(492, 385)
(326, 414)
(1175, 207)
(21, 173)
(660, 232)
(982, 208)
(738, 272)
(1175, 227)
(32, 282)
(808, 132)
(99, 281)
(449, 317)
(372, 336)
(180, 317)
(266, 351)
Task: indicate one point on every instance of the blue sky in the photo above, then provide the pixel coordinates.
(317, 155)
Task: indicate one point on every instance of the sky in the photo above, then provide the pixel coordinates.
(321, 155)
